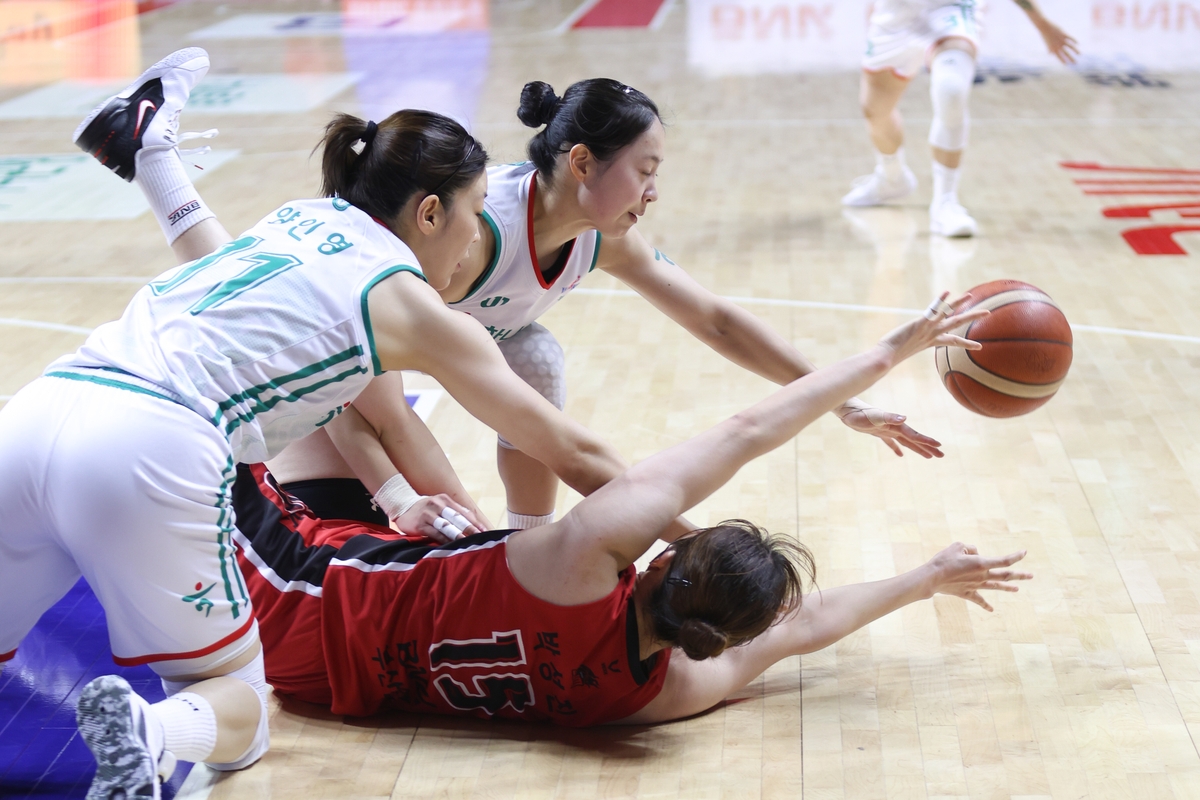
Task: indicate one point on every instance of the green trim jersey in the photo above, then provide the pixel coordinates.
(513, 291)
(268, 337)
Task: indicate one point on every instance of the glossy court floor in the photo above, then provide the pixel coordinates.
(1085, 684)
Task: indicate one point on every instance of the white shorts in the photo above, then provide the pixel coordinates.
(900, 39)
(102, 476)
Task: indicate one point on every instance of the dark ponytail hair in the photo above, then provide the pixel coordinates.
(603, 114)
(726, 585)
(377, 168)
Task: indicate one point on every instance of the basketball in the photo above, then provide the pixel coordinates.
(1025, 357)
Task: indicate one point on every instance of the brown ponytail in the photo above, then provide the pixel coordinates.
(378, 167)
(726, 585)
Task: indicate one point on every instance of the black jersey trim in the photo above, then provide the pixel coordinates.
(338, 498)
(279, 549)
(639, 670)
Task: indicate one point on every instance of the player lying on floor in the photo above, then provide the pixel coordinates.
(554, 623)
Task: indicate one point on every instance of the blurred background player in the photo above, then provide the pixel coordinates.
(903, 36)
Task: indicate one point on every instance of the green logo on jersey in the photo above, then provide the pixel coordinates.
(202, 602)
(492, 302)
(340, 204)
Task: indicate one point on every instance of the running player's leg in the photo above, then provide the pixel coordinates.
(155, 544)
(951, 75)
(530, 486)
(954, 32)
(136, 134)
(893, 56)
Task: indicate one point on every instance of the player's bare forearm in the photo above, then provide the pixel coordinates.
(833, 614)
(358, 444)
(750, 343)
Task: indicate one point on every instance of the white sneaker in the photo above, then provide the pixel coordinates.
(947, 217)
(875, 189)
(128, 749)
(145, 115)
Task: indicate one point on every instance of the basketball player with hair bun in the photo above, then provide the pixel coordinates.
(547, 223)
(225, 360)
(903, 37)
(553, 623)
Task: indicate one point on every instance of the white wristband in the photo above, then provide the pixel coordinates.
(396, 496)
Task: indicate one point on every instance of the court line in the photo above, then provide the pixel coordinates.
(80, 279)
(46, 326)
(750, 301)
(815, 304)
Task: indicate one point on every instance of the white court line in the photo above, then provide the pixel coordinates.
(80, 279)
(749, 301)
(199, 783)
(765, 301)
(660, 16)
(427, 400)
(47, 326)
(575, 16)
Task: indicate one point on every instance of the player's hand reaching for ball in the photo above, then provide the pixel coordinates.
(933, 328)
(960, 570)
(437, 517)
(888, 426)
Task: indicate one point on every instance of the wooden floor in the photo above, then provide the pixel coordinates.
(1086, 684)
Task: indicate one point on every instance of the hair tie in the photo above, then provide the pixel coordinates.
(368, 136)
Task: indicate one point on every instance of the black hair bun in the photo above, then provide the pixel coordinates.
(539, 104)
(699, 640)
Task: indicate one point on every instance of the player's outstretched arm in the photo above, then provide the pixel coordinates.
(740, 336)
(824, 618)
(414, 329)
(1060, 45)
(616, 525)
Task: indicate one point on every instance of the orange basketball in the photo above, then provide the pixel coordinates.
(1025, 357)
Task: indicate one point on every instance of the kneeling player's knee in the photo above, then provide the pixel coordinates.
(952, 73)
(249, 717)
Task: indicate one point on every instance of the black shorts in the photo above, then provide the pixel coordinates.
(338, 498)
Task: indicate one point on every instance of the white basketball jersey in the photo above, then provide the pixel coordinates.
(268, 337)
(897, 14)
(512, 292)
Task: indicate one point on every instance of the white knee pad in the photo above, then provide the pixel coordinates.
(255, 675)
(538, 359)
(950, 77)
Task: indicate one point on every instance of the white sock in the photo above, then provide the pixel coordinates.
(189, 726)
(891, 165)
(172, 197)
(945, 182)
(522, 521)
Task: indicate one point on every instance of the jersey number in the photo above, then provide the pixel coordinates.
(263, 267)
(491, 692)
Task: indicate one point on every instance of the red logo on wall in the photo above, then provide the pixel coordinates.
(1170, 184)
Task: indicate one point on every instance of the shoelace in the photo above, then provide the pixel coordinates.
(197, 151)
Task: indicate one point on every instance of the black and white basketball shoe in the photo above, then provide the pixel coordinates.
(145, 115)
(131, 761)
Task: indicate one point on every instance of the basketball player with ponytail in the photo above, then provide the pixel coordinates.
(903, 37)
(553, 623)
(118, 463)
(546, 224)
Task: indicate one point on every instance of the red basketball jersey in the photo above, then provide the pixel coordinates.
(366, 620)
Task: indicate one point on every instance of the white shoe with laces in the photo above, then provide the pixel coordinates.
(947, 217)
(131, 759)
(876, 189)
(144, 116)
